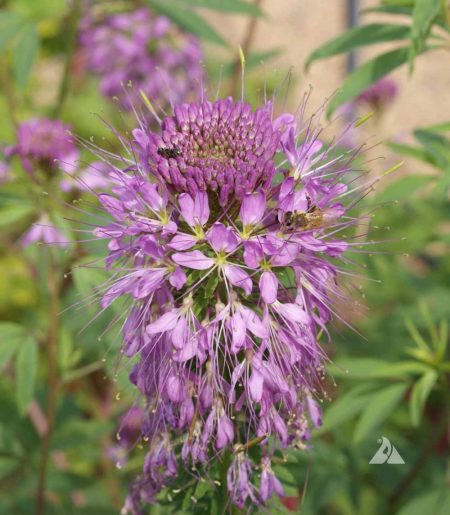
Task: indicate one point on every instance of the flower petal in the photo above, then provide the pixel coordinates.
(268, 286)
(201, 208)
(182, 241)
(252, 208)
(255, 385)
(239, 277)
(222, 238)
(194, 259)
(253, 253)
(187, 208)
(164, 323)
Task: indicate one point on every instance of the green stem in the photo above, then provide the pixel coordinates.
(246, 45)
(71, 45)
(52, 382)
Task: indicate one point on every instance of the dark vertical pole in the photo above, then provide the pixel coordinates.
(352, 21)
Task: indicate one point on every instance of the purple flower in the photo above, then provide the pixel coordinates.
(379, 95)
(231, 276)
(141, 51)
(45, 144)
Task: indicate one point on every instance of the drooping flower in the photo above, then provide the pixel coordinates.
(45, 144)
(145, 52)
(227, 248)
(128, 435)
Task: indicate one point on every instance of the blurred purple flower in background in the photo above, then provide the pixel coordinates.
(5, 169)
(225, 258)
(45, 144)
(44, 231)
(144, 51)
(379, 95)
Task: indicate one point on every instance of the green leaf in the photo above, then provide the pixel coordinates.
(419, 395)
(201, 489)
(423, 15)
(231, 6)
(211, 285)
(436, 501)
(403, 188)
(359, 37)
(10, 24)
(379, 407)
(436, 145)
(345, 407)
(415, 152)
(366, 75)
(187, 19)
(372, 368)
(13, 213)
(25, 54)
(440, 127)
(26, 369)
(11, 335)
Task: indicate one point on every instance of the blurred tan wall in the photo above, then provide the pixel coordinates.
(299, 26)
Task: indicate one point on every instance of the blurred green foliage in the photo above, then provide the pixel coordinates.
(394, 384)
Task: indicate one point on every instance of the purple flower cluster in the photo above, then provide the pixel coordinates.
(146, 52)
(221, 237)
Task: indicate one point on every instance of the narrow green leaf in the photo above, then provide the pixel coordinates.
(230, 6)
(371, 368)
(13, 213)
(25, 54)
(423, 15)
(359, 37)
(366, 75)
(440, 127)
(378, 408)
(10, 24)
(403, 188)
(436, 501)
(26, 369)
(419, 395)
(11, 336)
(436, 145)
(415, 152)
(187, 19)
(345, 407)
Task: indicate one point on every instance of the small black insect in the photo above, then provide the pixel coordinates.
(168, 152)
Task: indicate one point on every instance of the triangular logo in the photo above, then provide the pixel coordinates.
(387, 453)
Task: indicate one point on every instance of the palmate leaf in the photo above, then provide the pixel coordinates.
(367, 74)
(359, 37)
(179, 12)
